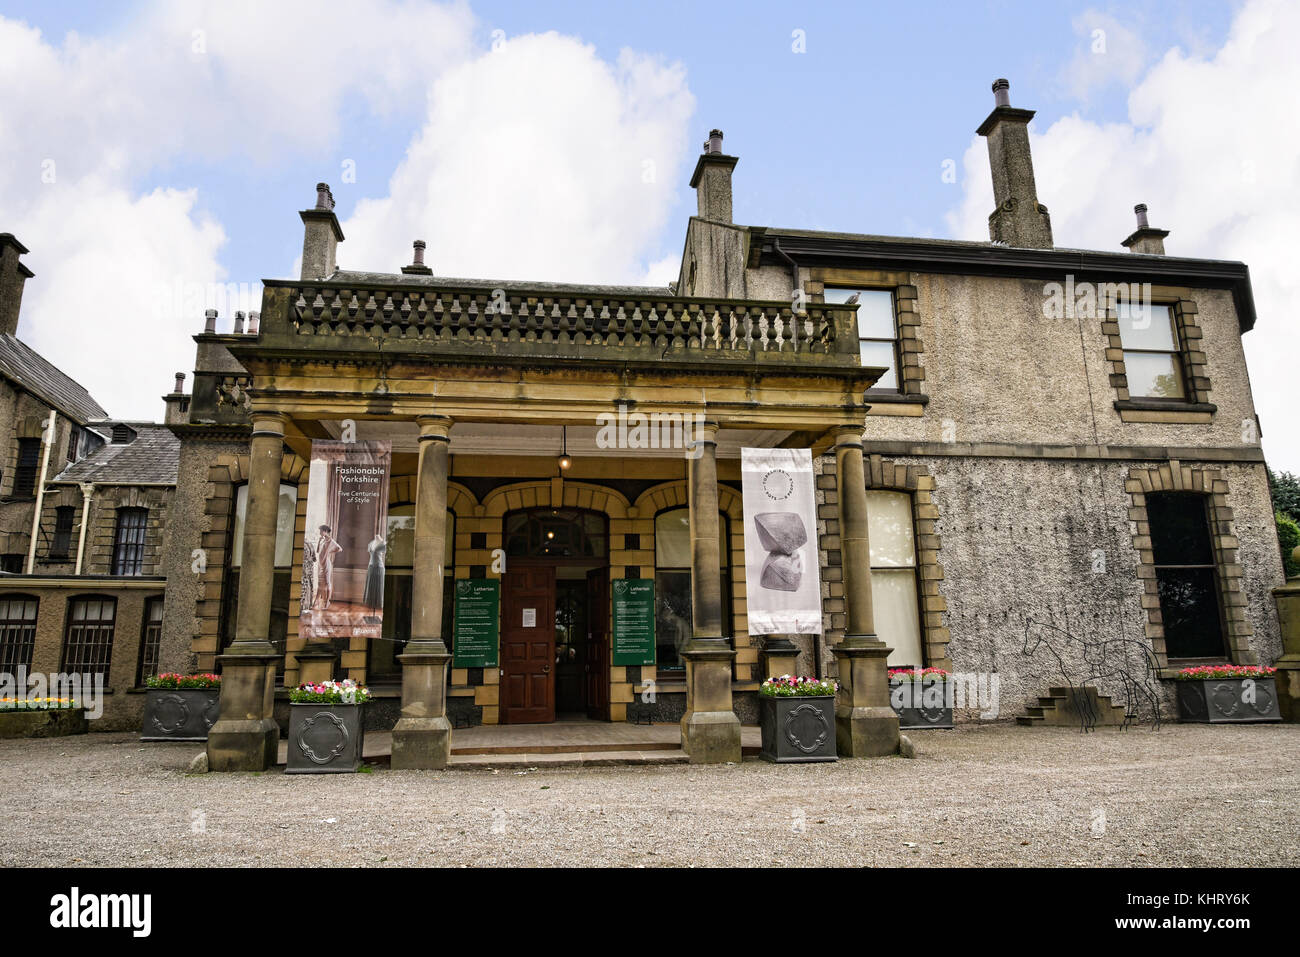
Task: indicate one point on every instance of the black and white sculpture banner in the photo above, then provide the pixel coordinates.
(782, 572)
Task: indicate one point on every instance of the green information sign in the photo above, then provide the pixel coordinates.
(634, 621)
(476, 623)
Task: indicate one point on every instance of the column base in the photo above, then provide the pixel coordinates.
(243, 745)
(245, 736)
(711, 737)
(421, 744)
(865, 724)
(1288, 688)
(866, 732)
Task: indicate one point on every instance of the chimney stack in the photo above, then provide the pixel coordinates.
(1019, 219)
(13, 275)
(210, 321)
(176, 404)
(322, 236)
(254, 321)
(712, 180)
(417, 267)
(1144, 239)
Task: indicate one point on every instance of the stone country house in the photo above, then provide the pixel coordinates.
(1021, 449)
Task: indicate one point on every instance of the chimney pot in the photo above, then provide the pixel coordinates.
(712, 180)
(180, 383)
(209, 320)
(419, 252)
(1146, 238)
(239, 323)
(324, 198)
(714, 145)
(1001, 94)
(1141, 210)
(254, 322)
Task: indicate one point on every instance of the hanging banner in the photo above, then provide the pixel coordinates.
(634, 621)
(782, 574)
(345, 542)
(476, 623)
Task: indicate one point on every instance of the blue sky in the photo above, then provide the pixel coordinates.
(207, 167)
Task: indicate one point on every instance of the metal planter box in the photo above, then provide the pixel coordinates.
(913, 712)
(1228, 700)
(797, 730)
(325, 738)
(179, 714)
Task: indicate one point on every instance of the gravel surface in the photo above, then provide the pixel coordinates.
(980, 795)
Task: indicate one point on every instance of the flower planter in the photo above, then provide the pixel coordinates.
(179, 714)
(42, 723)
(921, 704)
(1228, 700)
(325, 738)
(797, 729)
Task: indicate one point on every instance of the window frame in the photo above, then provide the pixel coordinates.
(8, 625)
(1203, 501)
(128, 552)
(26, 475)
(61, 541)
(914, 568)
(149, 637)
(726, 569)
(1178, 353)
(70, 623)
(895, 342)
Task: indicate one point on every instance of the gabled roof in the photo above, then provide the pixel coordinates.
(27, 368)
(152, 458)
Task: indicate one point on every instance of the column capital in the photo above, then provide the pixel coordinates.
(848, 436)
(433, 427)
(269, 422)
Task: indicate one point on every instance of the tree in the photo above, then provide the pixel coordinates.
(1285, 488)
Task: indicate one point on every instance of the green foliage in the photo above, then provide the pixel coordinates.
(1288, 536)
(1285, 488)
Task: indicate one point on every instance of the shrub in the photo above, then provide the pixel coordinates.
(1288, 536)
(789, 686)
(169, 679)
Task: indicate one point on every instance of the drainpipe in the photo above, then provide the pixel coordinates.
(40, 492)
(796, 285)
(87, 491)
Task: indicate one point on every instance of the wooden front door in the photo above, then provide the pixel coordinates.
(528, 645)
(598, 644)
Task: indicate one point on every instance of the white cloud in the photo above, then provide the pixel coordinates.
(1208, 147)
(538, 160)
(1109, 53)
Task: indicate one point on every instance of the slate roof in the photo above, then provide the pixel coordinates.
(152, 458)
(29, 369)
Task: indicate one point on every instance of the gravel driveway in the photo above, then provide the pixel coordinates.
(980, 795)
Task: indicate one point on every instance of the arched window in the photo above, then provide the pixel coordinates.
(88, 636)
(894, 588)
(285, 519)
(381, 656)
(673, 619)
(17, 632)
(556, 533)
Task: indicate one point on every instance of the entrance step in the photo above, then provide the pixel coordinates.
(1059, 708)
(564, 748)
(569, 759)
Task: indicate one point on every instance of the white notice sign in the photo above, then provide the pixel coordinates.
(530, 617)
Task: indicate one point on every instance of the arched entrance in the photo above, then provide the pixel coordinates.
(554, 615)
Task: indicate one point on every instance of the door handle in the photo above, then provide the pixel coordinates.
(546, 669)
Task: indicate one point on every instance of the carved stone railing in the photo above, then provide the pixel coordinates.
(556, 323)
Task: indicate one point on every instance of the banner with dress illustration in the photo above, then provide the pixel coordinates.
(783, 593)
(344, 544)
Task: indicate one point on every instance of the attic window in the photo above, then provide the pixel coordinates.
(122, 434)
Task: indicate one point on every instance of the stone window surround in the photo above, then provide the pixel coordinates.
(1173, 476)
(916, 481)
(1196, 407)
(911, 374)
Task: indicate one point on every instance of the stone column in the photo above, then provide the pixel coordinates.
(865, 724)
(781, 655)
(1287, 598)
(245, 736)
(422, 735)
(710, 728)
